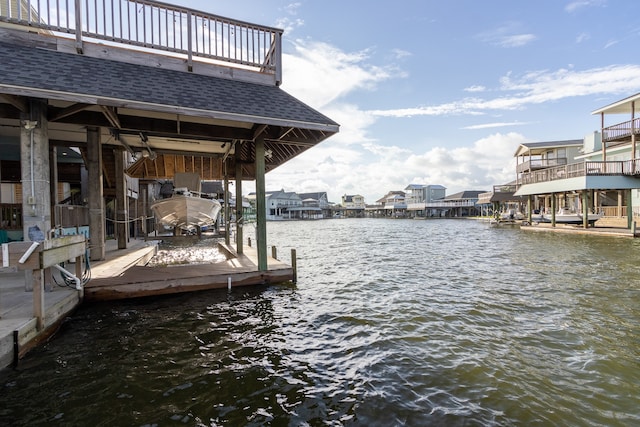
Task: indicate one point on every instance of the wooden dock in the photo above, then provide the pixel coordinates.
(121, 275)
(120, 279)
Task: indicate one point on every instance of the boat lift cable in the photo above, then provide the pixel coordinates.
(70, 281)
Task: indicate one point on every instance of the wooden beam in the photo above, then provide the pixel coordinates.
(69, 111)
(17, 101)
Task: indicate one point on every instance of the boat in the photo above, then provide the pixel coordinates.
(566, 216)
(187, 208)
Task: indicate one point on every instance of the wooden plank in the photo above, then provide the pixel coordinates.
(16, 250)
(60, 254)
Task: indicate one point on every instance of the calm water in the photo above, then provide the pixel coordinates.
(392, 322)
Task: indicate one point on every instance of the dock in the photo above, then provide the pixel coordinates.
(578, 229)
(121, 275)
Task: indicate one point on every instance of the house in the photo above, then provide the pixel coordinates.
(500, 199)
(603, 175)
(457, 205)
(353, 206)
(280, 204)
(418, 195)
(318, 204)
(393, 204)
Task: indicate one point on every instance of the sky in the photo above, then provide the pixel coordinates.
(441, 92)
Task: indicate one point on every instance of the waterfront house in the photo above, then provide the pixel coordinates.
(501, 199)
(604, 174)
(279, 204)
(393, 205)
(418, 196)
(318, 204)
(353, 206)
(457, 205)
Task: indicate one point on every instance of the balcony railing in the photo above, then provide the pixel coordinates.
(154, 25)
(621, 131)
(626, 167)
(534, 164)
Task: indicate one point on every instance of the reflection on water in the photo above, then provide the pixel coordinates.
(392, 322)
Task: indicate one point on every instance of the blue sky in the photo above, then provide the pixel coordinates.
(442, 92)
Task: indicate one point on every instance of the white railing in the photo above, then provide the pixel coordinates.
(597, 168)
(154, 25)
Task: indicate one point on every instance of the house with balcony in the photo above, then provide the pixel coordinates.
(316, 205)
(604, 175)
(456, 205)
(353, 206)
(391, 205)
(418, 195)
(501, 199)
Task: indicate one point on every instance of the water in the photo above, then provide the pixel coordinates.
(392, 322)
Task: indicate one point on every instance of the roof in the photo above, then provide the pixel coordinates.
(314, 196)
(624, 106)
(176, 110)
(415, 187)
(468, 194)
(534, 148)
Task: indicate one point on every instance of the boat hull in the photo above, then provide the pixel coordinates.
(567, 218)
(186, 212)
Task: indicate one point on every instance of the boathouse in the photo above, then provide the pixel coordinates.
(139, 91)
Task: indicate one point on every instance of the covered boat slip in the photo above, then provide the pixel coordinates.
(121, 274)
(142, 104)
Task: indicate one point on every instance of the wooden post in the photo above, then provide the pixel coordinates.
(529, 209)
(294, 265)
(553, 209)
(227, 210)
(239, 209)
(35, 176)
(95, 195)
(261, 208)
(629, 210)
(585, 209)
(274, 252)
(122, 216)
(38, 298)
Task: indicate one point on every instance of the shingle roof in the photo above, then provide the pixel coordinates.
(68, 76)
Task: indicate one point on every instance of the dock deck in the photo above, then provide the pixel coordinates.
(121, 275)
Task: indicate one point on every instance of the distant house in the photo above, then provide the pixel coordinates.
(457, 205)
(280, 204)
(353, 205)
(393, 204)
(500, 199)
(317, 203)
(418, 196)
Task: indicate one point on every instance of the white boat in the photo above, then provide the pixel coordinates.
(565, 216)
(187, 209)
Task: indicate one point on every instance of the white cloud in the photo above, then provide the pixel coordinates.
(475, 88)
(535, 87)
(333, 72)
(495, 125)
(581, 4)
(515, 40)
(356, 162)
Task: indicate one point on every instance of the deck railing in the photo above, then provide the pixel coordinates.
(599, 168)
(154, 25)
(621, 131)
(541, 164)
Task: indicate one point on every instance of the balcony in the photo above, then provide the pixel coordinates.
(154, 27)
(536, 164)
(626, 168)
(621, 132)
